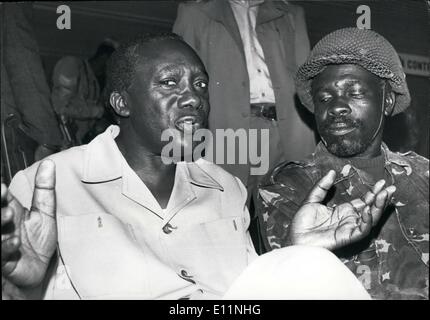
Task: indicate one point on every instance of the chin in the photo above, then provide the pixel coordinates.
(345, 148)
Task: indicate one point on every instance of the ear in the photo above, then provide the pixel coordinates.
(390, 101)
(118, 103)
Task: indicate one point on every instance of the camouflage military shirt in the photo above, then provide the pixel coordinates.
(392, 262)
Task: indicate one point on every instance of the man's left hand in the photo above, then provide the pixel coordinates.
(334, 227)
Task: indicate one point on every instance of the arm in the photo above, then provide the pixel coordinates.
(278, 198)
(29, 237)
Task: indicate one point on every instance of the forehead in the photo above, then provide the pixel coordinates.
(340, 74)
(169, 53)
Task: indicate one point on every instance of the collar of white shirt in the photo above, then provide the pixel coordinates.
(103, 161)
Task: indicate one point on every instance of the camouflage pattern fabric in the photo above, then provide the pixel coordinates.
(392, 262)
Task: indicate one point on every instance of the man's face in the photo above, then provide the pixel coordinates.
(169, 91)
(348, 108)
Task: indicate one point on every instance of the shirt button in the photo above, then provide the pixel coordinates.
(184, 273)
(263, 94)
(168, 228)
(259, 70)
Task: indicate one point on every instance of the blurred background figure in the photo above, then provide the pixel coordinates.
(251, 50)
(77, 86)
(29, 127)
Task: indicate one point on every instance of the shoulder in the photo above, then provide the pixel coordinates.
(288, 7)
(194, 7)
(66, 162)
(303, 172)
(289, 181)
(417, 160)
(413, 163)
(228, 181)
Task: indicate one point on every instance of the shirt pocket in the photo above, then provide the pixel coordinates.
(101, 257)
(213, 252)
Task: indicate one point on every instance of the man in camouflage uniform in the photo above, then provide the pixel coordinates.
(351, 81)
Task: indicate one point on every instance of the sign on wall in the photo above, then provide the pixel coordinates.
(415, 65)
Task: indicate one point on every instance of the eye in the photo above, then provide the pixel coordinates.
(168, 82)
(324, 97)
(357, 94)
(202, 84)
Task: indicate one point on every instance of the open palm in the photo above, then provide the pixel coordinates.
(29, 237)
(334, 227)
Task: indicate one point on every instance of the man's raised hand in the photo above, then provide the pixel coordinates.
(318, 225)
(29, 237)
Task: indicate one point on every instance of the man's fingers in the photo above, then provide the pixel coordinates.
(6, 197)
(369, 198)
(6, 216)
(9, 247)
(378, 206)
(44, 189)
(319, 191)
(390, 190)
(378, 186)
(3, 193)
(366, 217)
(358, 205)
(366, 222)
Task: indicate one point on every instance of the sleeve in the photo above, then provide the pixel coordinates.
(302, 43)
(252, 253)
(277, 203)
(22, 189)
(187, 25)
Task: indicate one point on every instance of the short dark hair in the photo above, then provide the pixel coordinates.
(121, 66)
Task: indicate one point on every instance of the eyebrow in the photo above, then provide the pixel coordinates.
(347, 81)
(169, 68)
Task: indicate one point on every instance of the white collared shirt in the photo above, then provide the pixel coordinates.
(116, 242)
(260, 83)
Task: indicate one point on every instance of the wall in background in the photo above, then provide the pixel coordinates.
(404, 23)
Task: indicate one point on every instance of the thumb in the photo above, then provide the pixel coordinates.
(319, 191)
(44, 189)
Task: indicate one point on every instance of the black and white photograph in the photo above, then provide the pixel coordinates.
(236, 151)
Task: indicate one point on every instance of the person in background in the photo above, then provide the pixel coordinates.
(252, 50)
(29, 127)
(352, 80)
(77, 87)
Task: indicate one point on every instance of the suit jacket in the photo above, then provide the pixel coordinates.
(211, 29)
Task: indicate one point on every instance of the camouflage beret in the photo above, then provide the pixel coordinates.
(362, 47)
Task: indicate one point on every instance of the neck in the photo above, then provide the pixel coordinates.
(147, 164)
(374, 150)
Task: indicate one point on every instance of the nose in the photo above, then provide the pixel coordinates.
(338, 108)
(190, 99)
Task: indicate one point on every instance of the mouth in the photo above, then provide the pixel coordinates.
(189, 123)
(340, 128)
